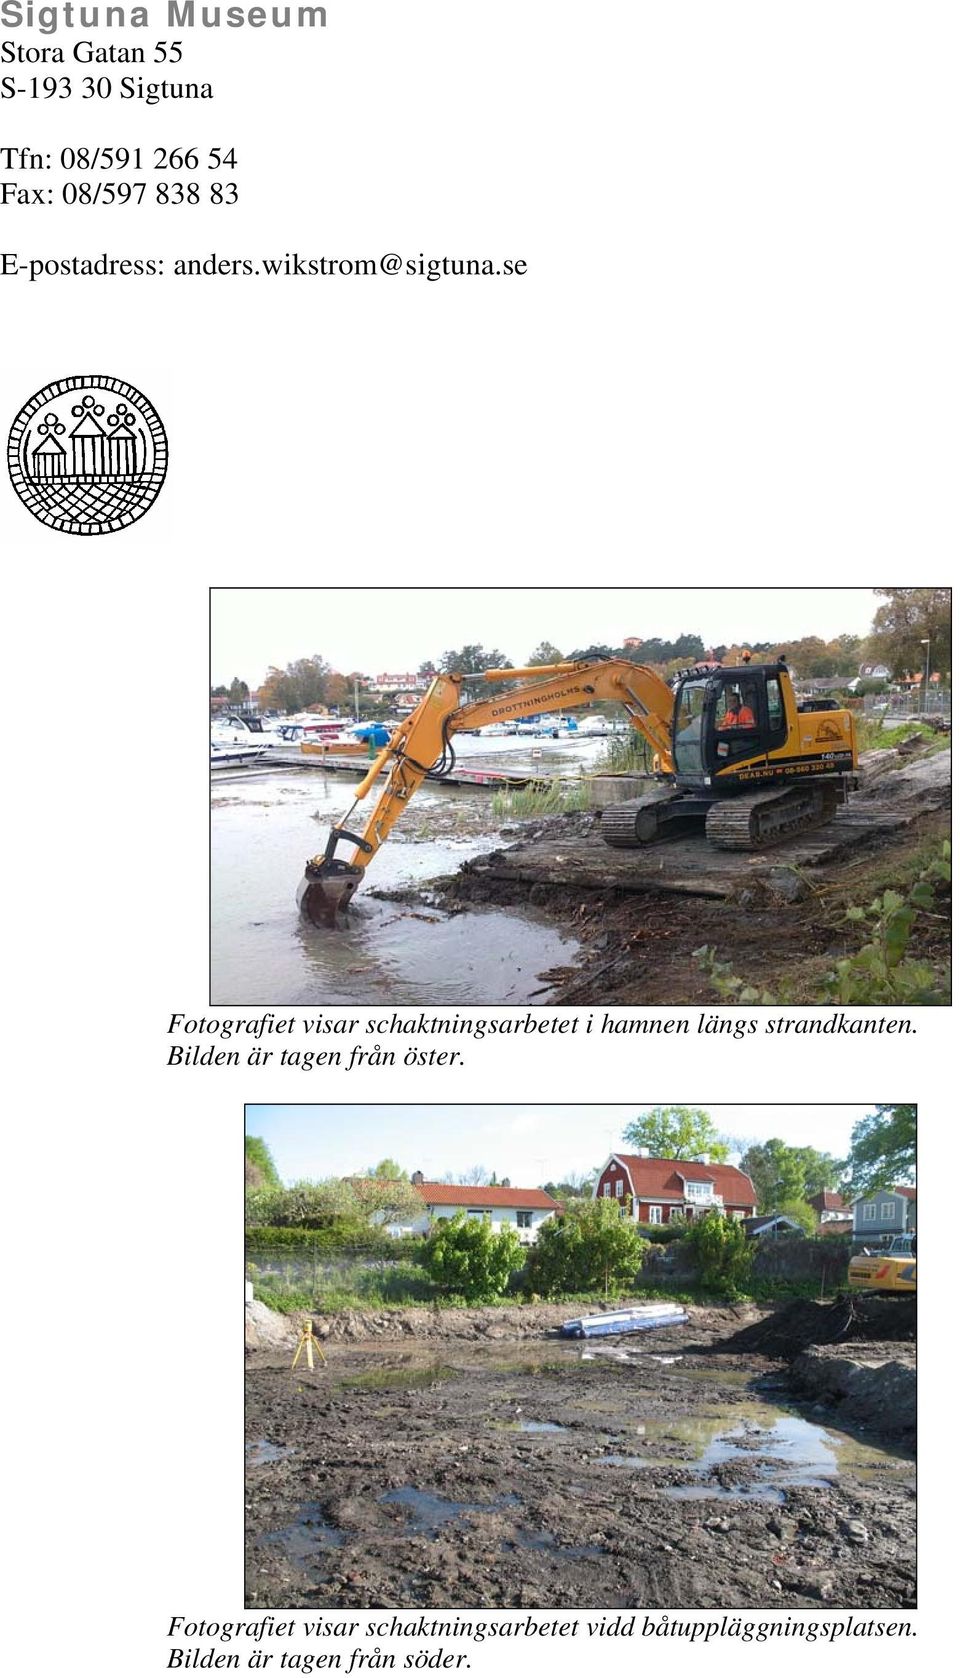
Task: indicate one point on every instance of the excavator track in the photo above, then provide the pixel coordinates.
(751, 821)
(644, 821)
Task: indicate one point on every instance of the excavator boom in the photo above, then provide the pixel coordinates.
(421, 747)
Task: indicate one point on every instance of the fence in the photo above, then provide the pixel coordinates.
(934, 703)
(322, 1280)
(790, 1258)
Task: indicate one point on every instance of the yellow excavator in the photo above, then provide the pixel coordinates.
(735, 753)
(893, 1270)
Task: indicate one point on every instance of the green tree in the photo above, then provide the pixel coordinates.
(463, 1256)
(722, 1253)
(676, 1133)
(780, 1173)
(472, 660)
(546, 653)
(591, 1246)
(820, 1171)
(260, 1169)
(238, 691)
(304, 1205)
(883, 1149)
(802, 1213)
(388, 1170)
(906, 617)
(595, 650)
(775, 1172)
(302, 684)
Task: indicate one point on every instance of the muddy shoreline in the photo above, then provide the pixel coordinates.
(479, 1467)
(779, 925)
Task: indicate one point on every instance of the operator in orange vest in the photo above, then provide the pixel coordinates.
(738, 713)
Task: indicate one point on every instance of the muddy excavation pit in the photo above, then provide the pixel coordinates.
(545, 1473)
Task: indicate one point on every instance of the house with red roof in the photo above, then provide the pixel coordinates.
(522, 1210)
(660, 1191)
(834, 1215)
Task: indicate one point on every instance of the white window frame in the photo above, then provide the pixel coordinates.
(606, 1191)
(524, 1218)
(655, 1215)
(700, 1192)
(888, 1209)
(869, 1212)
(677, 1215)
(618, 1188)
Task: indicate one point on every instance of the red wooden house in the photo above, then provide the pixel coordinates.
(660, 1191)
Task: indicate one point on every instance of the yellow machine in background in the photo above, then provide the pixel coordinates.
(739, 758)
(892, 1271)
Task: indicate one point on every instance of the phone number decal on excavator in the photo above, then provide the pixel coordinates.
(766, 771)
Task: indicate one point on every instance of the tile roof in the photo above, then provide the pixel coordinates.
(665, 1177)
(472, 1194)
(828, 1201)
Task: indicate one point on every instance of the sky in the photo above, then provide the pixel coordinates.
(392, 631)
(530, 1145)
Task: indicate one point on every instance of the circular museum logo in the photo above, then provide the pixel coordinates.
(87, 455)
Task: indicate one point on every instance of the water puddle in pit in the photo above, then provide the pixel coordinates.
(530, 1427)
(388, 953)
(307, 1541)
(402, 1380)
(258, 1452)
(778, 1449)
(427, 1513)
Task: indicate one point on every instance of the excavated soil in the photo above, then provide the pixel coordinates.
(666, 1470)
(850, 1318)
(639, 916)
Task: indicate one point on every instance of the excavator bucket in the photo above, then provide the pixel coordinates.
(329, 882)
(321, 897)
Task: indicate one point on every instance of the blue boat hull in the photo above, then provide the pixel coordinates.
(590, 1328)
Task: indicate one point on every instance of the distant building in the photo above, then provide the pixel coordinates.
(404, 682)
(769, 1225)
(834, 1216)
(503, 1206)
(660, 1191)
(878, 1217)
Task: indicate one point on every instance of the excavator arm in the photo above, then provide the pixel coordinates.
(420, 747)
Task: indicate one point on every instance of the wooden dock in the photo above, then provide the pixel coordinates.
(465, 774)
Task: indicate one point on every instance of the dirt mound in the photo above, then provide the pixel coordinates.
(788, 1332)
(265, 1330)
(875, 1385)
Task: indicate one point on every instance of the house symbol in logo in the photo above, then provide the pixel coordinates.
(87, 455)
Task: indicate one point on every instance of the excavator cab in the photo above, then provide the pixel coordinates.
(724, 718)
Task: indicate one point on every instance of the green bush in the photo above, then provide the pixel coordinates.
(590, 1247)
(882, 971)
(463, 1256)
(337, 1234)
(721, 1251)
